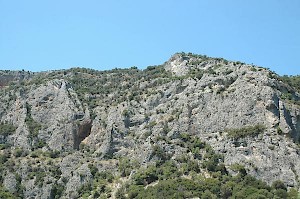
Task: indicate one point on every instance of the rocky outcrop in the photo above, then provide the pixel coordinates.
(61, 123)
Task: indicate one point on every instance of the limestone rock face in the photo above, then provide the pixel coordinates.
(69, 124)
(178, 65)
(55, 108)
(10, 182)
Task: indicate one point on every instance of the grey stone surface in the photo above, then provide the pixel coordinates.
(227, 95)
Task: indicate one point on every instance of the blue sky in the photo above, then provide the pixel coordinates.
(45, 35)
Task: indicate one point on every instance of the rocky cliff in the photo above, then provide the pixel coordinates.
(61, 129)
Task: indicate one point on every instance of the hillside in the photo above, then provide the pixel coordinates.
(194, 126)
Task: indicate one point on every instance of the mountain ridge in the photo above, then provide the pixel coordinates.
(84, 120)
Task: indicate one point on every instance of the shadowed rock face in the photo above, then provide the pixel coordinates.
(124, 113)
(84, 130)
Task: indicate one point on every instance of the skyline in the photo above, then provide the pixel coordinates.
(52, 35)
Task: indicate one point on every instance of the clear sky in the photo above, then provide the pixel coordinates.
(54, 34)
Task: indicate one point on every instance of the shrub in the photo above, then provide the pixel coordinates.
(246, 131)
(293, 81)
(6, 129)
(211, 71)
(32, 125)
(125, 167)
(279, 131)
(93, 169)
(239, 168)
(286, 96)
(6, 194)
(52, 154)
(211, 161)
(40, 144)
(279, 185)
(34, 154)
(160, 153)
(253, 69)
(4, 157)
(4, 146)
(56, 191)
(18, 152)
(146, 176)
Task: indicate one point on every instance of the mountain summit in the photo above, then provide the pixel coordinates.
(195, 126)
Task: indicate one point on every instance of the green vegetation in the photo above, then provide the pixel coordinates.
(56, 191)
(159, 153)
(52, 154)
(126, 166)
(4, 146)
(4, 157)
(5, 194)
(98, 186)
(32, 125)
(293, 81)
(196, 73)
(171, 179)
(93, 87)
(289, 95)
(196, 171)
(18, 152)
(6, 129)
(18, 194)
(246, 131)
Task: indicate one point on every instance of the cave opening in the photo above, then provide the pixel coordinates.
(84, 130)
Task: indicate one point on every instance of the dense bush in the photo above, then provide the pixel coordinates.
(32, 125)
(246, 131)
(6, 129)
(222, 186)
(56, 191)
(6, 194)
(126, 166)
(18, 152)
(160, 154)
(98, 186)
(4, 157)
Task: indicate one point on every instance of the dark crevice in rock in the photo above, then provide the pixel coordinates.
(274, 107)
(112, 143)
(84, 130)
(297, 129)
(127, 122)
(78, 116)
(288, 119)
(180, 89)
